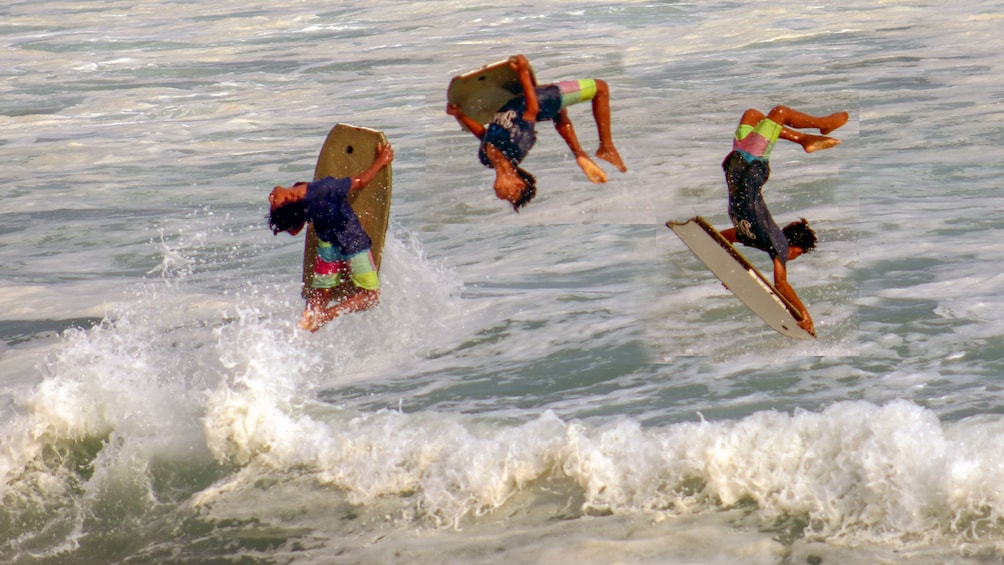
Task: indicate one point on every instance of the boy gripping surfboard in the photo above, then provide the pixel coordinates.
(343, 245)
(746, 171)
(510, 135)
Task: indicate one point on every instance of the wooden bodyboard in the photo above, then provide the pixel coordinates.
(480, 93)
(740, 276)
(347, 152)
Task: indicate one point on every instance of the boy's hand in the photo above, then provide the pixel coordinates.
(807, 325)
(385, 153)
(518, 62)
(453, 109)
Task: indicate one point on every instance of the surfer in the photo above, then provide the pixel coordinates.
(508, 138)
(343, 246)
(746, 171)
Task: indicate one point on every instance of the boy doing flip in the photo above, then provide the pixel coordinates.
(507, 140)
(746, 171)
(343, 246)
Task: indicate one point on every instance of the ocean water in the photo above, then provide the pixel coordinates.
(563, 385)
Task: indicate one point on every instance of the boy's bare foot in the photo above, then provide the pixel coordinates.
(312, 321)
(812, 143)
(610, 155)
(833, 121)
(593, 172)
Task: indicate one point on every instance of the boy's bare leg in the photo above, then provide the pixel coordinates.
(792, 120)
(809, 142)
(601, 113)
(800, 120)
(564, 127)
(318, 313)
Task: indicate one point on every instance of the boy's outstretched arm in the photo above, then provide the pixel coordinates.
(521, 65)
(384, 155)
(466, 121)
(785, 289)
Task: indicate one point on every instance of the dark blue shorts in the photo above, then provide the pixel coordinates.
(755, 227)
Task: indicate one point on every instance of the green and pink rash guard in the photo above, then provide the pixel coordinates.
(746, 171)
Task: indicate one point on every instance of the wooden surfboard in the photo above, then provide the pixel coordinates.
(740, 276)
(480, 93)
(347, 152)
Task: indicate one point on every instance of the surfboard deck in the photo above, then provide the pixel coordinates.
(347, 152)
(740, 276)
(481, 92)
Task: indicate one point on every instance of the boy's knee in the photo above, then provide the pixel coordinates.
(777, 113)
(602, 88)
(752, 116)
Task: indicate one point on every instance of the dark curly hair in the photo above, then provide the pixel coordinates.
(529, 189)
(799, 234)
(289, 216)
